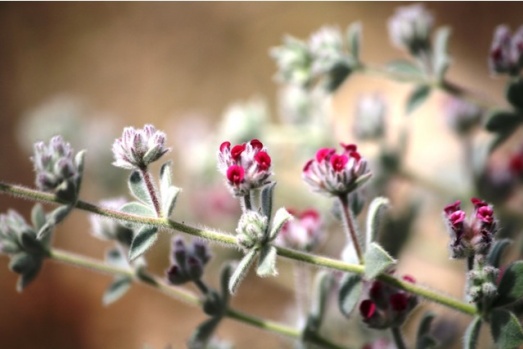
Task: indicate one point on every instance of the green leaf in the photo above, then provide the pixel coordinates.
(166, 175)
(53, 219)
(494, 255)
(510, 287)
(506, 329)
(116, 290)
(138, 188)
(138, 209)
(280, 218)
(361, 180)
(30, 243)
(22, 262)
(267, 261)
(470, 340)
(321, 288)
(405, 70)
(203, 333)
(515, 93)
(502, 121)
(417, 98)
(351, 288)
(354, 39)
(241, 270)
(116, 257)
(377, 260)
(28, 276)
(79, 161)
(38, 216)
(376, 209)
(169, 200)
(143, 240)
(266, 199)
(224, 281)
(337, 75)
(441, 57)
(424, 340)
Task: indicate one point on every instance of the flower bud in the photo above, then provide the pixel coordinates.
(410, 28)
(506, 51)
(252, 229)
(187, 263)
(294, 61)
(462, 116)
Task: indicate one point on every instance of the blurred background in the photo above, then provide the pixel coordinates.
(86, 70)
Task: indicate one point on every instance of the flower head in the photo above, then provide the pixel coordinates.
(303, 232)
(187, 262)
(472, 236)
(462, 116)
(336, 174)
(294, 61)
(410, 28)
(246, 166)
(370, 117)
(506, 51)
(136, 149)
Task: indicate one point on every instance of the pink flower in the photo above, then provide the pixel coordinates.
(246, 166)
(303, 232)
(336, 174)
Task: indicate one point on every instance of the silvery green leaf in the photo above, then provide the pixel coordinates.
(22, 262)
(138, 209)
(224, 281)
(351, 288)
(116, 257)
(424, 340)
(470, 339)
(354, 39)
(280, 218)
(241, 270)
(417, 97)
(441, 57)
(166, 177)
(377, 260)
(321, 288)
(376, 209)
(495, 252)
(152, 154)
(55, 217)
(143, 240)
(9, 247)
(406, 70)
(38, 216)
(506, 329)
(138, 188)
(27, 277)
(267, 261)
(169, 200)
(203, 333)
(30, 243)
(510, 288)
(116, 290)
(79, 161)
(362, 180)
(266, 199)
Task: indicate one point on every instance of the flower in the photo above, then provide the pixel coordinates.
(336, 174)
(386, 306)
(55, 166)
(370, 117)
(187, 262)
(246, 166)
(303, 232)
(472, 236)
(506, 51)
(136, 149)
(294, 61)
(410, 28)
(462, 116)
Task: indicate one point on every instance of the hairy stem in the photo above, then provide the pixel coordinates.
(228, 239)
(151, 189)
(349, 225)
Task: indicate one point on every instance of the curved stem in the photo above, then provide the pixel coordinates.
(180, 294)
(227, 239)
(398, 338)
(350, 227)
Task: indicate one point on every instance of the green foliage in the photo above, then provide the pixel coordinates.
(142, 241)
(510, 287)
(470, 339)
(416, 98)
(506, 329)
(351, 289)
(377, 260)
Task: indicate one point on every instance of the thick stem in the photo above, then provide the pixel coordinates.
(398, 338)
(349, 225)
(151, 189)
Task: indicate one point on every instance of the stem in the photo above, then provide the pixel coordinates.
(228, 239)
(246, 202)
(152, 191)
(202, 286)
(350, 228)
(179, 293)
(398, 338)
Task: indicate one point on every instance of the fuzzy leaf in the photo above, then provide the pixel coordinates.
(502, 121)
(267, 261)
(515, 93)
(116, 290)
(166, 175)
(351, 289)
(377, 260)
(28, 276)
(138, 188)
(116, 257)
(441, 57)
(337, 75)
(224, 281)
(138, 209)
(241, 270)
(203, 333)
(143, 240)
(417, 98)
(266, 199)
(280, 218)
(31, 243)
(510, 287)
(424, 339)
(322, 286)
(494, 255)
(54, 218)
(169, 200)
(79, 161)
(354, 39)
(506, 329)
(470, 340)
(38, 216)
(376, 209)
(407, 69)
(361, 180)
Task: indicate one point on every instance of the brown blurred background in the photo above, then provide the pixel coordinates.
(153, 62)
